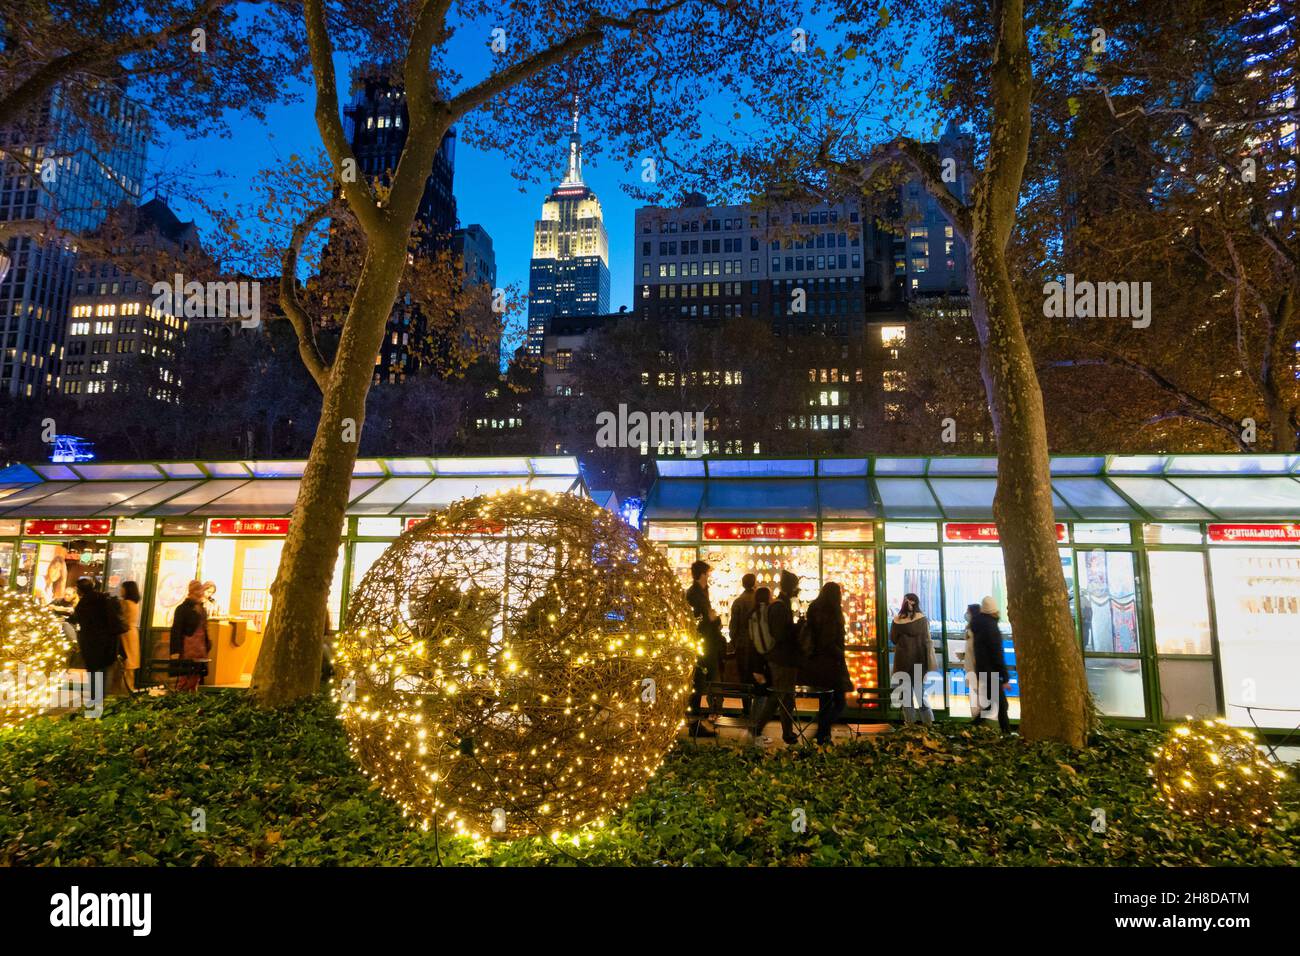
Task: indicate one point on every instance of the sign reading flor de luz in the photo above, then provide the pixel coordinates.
(982, 531)
(758, 530)
(1267, 533)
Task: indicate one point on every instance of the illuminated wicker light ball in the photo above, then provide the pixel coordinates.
(521, 665)
(1211, 771)
(34, 652)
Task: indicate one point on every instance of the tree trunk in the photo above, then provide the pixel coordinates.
(1054, 698)
(288, 666)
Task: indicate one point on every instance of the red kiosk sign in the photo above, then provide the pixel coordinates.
(1265, 533)
(240, 526)
(759, 530)
(982, 531)
(61, 527)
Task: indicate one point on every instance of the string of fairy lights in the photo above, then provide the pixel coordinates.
(517, 664)
(1210, 771)
(34, 651)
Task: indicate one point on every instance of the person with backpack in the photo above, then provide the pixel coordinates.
(826, 666)
(991, 674)
(738, 631)
(914, 658)
(782, 659)
(759, 640)
(708, 668)
(100, 627)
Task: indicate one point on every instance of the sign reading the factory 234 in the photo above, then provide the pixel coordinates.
(759, 530)
(248, 526)
(1274, 533)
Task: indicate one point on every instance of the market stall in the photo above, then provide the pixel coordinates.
(164, 524)
(1182, 571)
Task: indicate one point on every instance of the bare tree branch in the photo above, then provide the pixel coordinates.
(289, 301)
(356, 187)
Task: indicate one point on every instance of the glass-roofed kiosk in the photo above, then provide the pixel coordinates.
(164, 524)
(1183, 571)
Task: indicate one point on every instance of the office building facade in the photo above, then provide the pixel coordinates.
(60, 180)
(116, 337)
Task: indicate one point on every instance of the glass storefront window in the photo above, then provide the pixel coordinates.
(1178, 602)
(1116, 682)
(25, 574)
(904, 531)
(1257, 610)
(731, 562)
(364, 554)
(60, 564)
(1110, 622)
(916, 571)
(243, 571)
(1172, 534)
(854, 569)
(127, 561)
(1187, 688)
(333, 607)
(7, 549)
(177, 564)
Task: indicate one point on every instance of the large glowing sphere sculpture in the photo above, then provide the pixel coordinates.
(518, 664)
(34, 651)
(1210, 771)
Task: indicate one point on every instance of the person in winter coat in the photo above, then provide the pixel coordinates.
(130, 600)
(783, 661)
(909, 632)
(991, 674)
(827, 667)
(759, 640)
(709, 666)
(189, 636)
(968, 662)
(738, 630)
(99, 631)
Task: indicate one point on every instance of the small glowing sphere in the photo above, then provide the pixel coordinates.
(34, 651)
(1211, 771)
(518, 664)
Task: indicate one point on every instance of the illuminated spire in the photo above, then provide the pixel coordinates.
(573, 177)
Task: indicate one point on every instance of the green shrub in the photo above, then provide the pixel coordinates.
(280, 788)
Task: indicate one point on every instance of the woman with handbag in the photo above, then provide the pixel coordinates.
(914, 657)
(189, 636)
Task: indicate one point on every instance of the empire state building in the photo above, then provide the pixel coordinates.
(569, 274)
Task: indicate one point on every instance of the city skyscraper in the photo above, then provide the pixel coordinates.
(61, 178)
(569, 272)
(116, 338)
